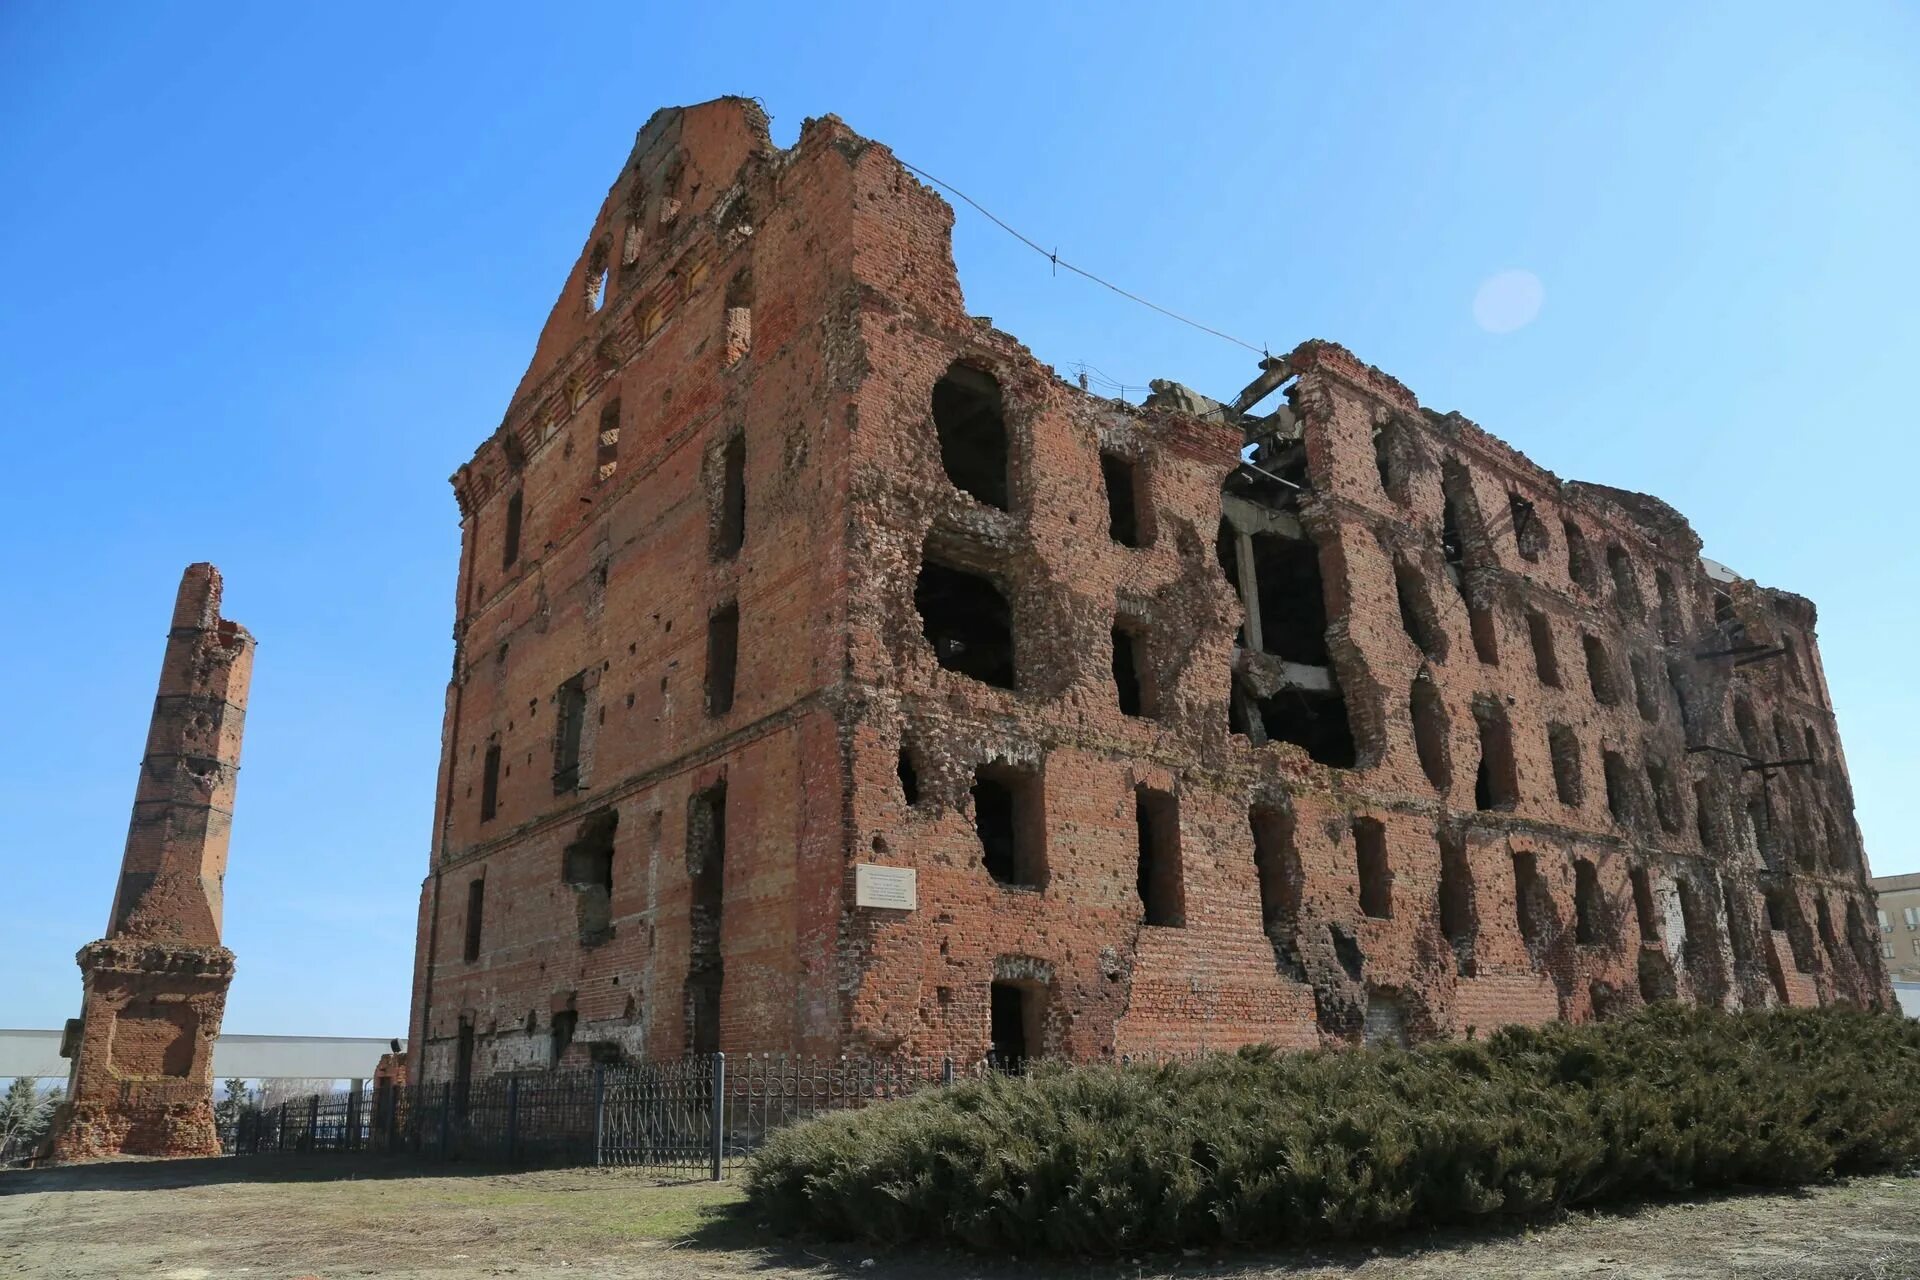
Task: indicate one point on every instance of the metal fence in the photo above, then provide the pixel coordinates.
(700, 1115)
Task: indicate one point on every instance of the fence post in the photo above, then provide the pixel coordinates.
(719, 1111)
(599, 1113)
(946, 1071)
(355, 1100)
(446, 1115)
(313, 1123)
(513, 1116)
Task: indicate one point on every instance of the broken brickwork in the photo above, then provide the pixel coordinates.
(155, 987)
(782, 565)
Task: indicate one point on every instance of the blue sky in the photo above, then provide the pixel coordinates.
(271, 274)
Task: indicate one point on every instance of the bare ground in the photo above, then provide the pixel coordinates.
(285, 1218)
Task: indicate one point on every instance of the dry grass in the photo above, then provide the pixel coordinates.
(284, 1218)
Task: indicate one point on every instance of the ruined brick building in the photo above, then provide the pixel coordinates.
(155, 987)
(1312, 717)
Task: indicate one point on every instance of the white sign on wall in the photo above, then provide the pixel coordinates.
(896, 888)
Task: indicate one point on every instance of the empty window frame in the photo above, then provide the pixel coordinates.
(1314, 721)
(909, 776)
(476, 911)
(1009, 817)
(1601, 677)
(1589, 905)
(1276, 861)
(586, 867)
(1626, 585)
(1527, 895)
(1579, 560)
(510, 542)
(1497, 783)
(1129, 505)
(1016, 1023)
(706, 862)
(738, 318)
(723, 657)
(967, 621)
(1676, 681)
(570, 719)
(1645, 693)
(1621, 802)
(1293, 607)
(1706, 815)
(1545, 662)
(594, 283)
(1644, 912)
(1484, 628)
(560, 1035)
(606, 455)
(1133, 681)
(1376, 876)
(490, 783)
(1760, 833)
(730, 511)
(1529, 534)
(1456, 896)
(1389, 447)
(1670, 619)
(1666, 797)
(1418, 617)
(1563, 750)
(1160, 880)
(1430, 733)
(1748, 728)
(969, 416)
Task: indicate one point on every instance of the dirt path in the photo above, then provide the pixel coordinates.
(287, 1218)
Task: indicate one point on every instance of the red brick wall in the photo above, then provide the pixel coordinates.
(828, 367)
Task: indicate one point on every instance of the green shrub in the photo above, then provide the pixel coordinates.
(1262, 1147)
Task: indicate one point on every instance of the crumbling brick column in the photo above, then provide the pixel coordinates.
(155, 987)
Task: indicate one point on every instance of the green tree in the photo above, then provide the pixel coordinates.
(25, 1113)
(226, 1112)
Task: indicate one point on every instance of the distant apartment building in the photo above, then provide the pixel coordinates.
(1900, 925)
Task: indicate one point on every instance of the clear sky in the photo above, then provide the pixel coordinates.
(268, 275)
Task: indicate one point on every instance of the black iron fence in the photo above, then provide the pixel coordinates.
(700, 1115)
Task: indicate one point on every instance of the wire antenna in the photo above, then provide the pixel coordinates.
(1053, 256)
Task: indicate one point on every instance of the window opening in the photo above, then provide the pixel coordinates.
(587, 869)
(1563, 749)
(490, 783)
(569, 721)
(706, 869)
(730, 526)
(1545, 662)
(970, 418)
(1376, 878)
(476, 912)
(1125, 500)
(510, 546)
(1429, 714)
(1009, 818)
(1162, 892)
(1496, 785)
(723, 655)
(967, 621)
(1589, 907)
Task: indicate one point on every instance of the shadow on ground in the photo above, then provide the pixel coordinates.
(153, 1175)
(733, 1228)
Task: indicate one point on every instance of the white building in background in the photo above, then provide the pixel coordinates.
(37, 1054)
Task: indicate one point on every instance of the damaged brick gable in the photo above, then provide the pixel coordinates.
(1382, 731)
